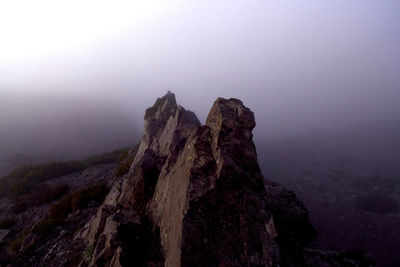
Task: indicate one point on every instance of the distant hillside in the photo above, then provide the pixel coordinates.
(350, 182)
(370, 148)
(37, 131)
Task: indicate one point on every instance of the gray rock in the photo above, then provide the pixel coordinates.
(194, 196)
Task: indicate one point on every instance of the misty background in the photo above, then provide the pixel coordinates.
(322, 78)
(76, 78)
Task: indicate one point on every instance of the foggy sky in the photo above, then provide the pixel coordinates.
(299, 65)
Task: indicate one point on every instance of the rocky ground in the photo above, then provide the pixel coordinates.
(331, 189)
(59, 243)
(194, 196)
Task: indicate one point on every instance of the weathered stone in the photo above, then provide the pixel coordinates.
(156, 118)
(294, 230)
(207, 204)
(195, 196)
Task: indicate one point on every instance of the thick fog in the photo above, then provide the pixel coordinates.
(301, 66)
(38, 127)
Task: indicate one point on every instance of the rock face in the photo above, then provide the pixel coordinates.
(195, 196)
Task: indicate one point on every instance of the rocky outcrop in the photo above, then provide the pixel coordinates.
(292, 223)
(195, 196)
(209, 204)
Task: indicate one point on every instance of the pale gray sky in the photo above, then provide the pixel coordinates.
(298, 64)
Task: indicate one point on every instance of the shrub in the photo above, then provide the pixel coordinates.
(105, 158)
(124, 166)
(16, 244)
(7, 223)
(125, 161)
(40, 195)
(19, 188)
(70, 203)
(87, 256)
(43, 227)
(21, 180)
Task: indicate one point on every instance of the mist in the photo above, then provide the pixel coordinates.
(303, 68)
(322, 78)
(37, 128)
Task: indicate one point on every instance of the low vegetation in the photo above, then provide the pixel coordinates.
(7, 223)
(22, 180)
(24, 185)
(15, 245)
(105, 158)
(38, 196)
(125, 162)
(87, 256)
(69, 203)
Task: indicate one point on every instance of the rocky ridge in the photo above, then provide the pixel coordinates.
(56, 247)
(195, 196)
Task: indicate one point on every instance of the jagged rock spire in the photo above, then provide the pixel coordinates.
(162, 109)
(163, 121)
(195, 196)
(210, 205)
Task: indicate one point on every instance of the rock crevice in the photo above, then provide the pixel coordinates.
(195, 196)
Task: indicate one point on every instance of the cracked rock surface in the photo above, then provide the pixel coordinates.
(195, 196)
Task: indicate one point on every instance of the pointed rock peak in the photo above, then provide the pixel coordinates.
(161, 122)
(230, 113)
(196, 196)
(162, 109)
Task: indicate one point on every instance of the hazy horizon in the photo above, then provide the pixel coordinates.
(318, 184)
(301, 67)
